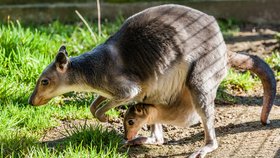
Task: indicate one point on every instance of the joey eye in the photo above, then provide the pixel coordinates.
(130, 122)
(44, 82)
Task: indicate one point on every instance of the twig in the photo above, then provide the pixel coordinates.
(87, 25)
(99, 17)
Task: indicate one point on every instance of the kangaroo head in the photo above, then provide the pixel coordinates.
(52, 80)
(135, 118)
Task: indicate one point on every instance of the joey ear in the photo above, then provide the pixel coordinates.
(139, 109)
(61, 60)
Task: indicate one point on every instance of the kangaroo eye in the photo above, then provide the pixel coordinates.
(130, 122)
(44, 82)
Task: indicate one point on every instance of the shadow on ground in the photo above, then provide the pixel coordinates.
(250, 38)
(227, 98)
(277, 155)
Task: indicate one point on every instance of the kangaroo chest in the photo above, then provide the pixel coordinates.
(164, 88)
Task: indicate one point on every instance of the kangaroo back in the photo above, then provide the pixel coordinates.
(263, 71)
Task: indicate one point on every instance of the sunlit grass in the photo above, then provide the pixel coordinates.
(274, 62)
(239, 81)
(82, 141)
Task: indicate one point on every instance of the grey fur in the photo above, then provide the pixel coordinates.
(155, 54)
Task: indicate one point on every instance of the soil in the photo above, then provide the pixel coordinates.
(238, 129)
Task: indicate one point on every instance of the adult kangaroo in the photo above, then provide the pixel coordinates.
(151, 59)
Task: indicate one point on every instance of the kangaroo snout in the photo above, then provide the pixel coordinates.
(31, 98)
(30, 101)
(36, 100)
(130, 135)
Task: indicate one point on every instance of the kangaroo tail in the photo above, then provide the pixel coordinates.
(264, 72)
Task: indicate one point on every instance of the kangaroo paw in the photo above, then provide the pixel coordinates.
(101, 117)
(204, 150)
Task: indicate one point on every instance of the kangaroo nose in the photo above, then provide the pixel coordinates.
(128, 138)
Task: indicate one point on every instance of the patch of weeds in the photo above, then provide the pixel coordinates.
(223, 97)
(238, 81)
(274, 61)
(235, 82)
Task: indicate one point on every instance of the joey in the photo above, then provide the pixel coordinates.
(182, 113)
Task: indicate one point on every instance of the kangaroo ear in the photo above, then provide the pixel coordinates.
(61, 60)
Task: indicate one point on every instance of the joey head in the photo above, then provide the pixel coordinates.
(135, 118)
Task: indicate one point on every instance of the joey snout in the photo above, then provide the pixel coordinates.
(130, 134)
(135, 118)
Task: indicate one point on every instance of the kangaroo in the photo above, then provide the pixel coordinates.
(155, 54)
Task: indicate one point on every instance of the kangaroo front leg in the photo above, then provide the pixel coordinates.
(155, 138)
(124, 93)
(95, 104)
(100, 112)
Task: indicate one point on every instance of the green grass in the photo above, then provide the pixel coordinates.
(235, 81)
(239, 81)
(228, 27)
(82, 141)
(274, 62)
(24, 52)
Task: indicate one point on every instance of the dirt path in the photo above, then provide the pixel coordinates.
(239, 131)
